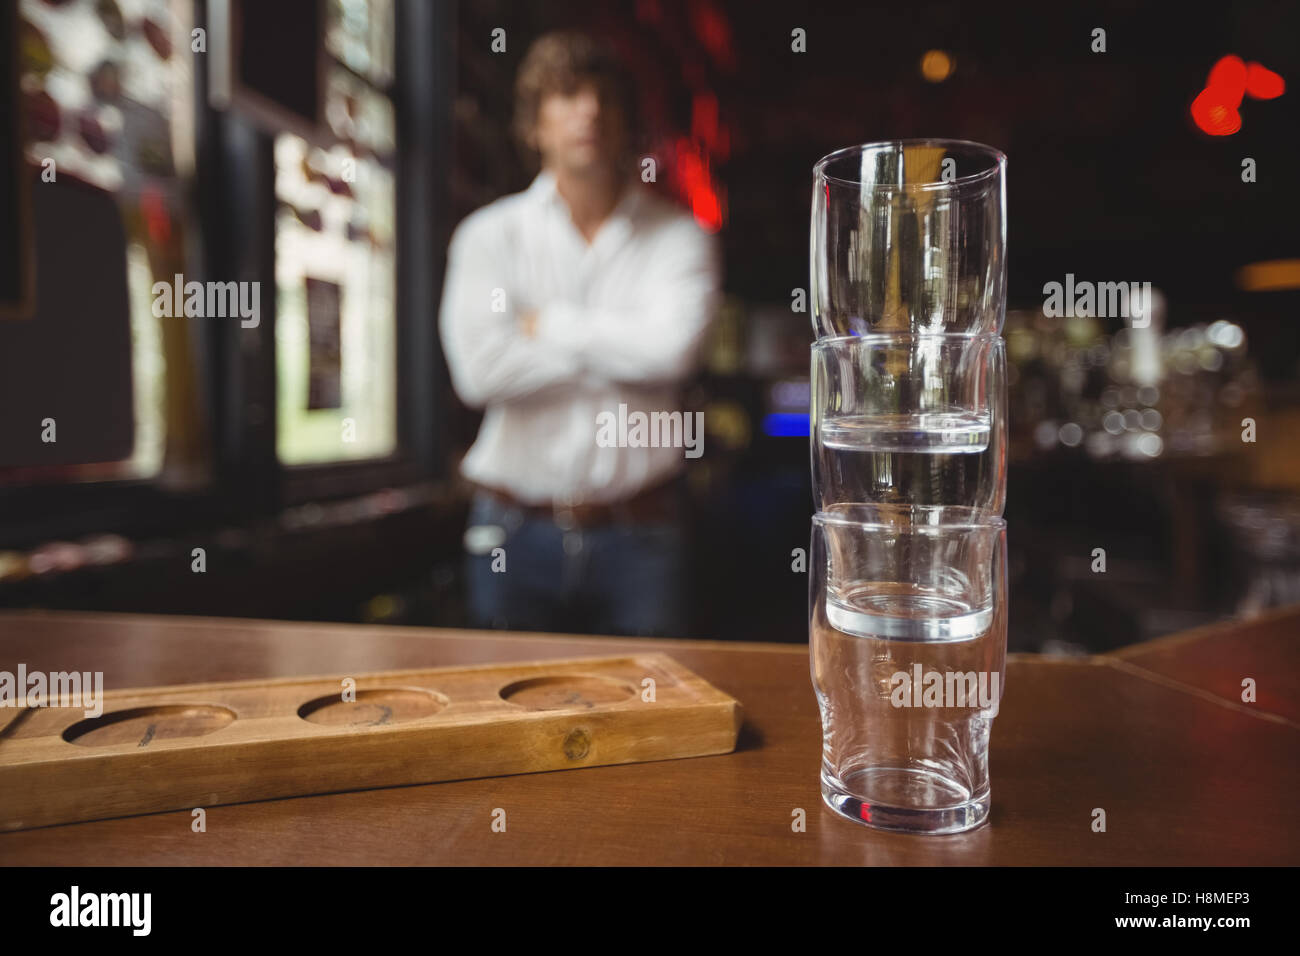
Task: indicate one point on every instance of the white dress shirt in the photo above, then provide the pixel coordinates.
(620, 321)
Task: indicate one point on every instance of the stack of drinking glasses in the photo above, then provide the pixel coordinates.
(907, 574)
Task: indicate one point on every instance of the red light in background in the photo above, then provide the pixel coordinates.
(1214, 116)
(705, 126)
(704, 119)
(707, 209)
(715, 33)
(697, 185)
(1215, 108)
(1228, 80)
(1263, 83)
(709, 140)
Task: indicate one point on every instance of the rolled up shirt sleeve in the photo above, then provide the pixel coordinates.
(488, 356)
(658, 339)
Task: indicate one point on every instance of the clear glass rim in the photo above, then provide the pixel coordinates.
(900, 338)
(959, 184)
(966, 518)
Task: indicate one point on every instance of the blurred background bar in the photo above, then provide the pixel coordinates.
(325, 151)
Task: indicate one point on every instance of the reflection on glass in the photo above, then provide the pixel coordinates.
(107, 103)
(359, 33)
(358, 115)
(336, 308)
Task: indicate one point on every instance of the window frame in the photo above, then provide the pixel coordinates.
(234, 208)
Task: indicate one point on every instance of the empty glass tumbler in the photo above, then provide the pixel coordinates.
(909, 419)
(909, 236)
(907, 633)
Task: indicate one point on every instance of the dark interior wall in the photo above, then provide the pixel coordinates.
(1107, 177)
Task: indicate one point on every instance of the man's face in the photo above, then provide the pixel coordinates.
(581, 131)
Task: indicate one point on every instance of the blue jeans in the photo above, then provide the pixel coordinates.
(525, 573)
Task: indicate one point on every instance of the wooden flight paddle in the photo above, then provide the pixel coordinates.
(200, 745)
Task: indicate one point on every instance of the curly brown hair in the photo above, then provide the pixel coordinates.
(556, 63)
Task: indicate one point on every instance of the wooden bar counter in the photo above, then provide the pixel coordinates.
(1156, 735)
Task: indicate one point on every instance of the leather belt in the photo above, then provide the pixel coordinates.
(658, 503)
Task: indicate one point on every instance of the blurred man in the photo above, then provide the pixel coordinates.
(581, 294)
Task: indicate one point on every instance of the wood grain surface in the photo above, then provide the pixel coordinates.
(1216, 659)
(177, 747)
(1186, 776)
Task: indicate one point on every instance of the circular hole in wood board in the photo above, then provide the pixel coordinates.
(143, 725)
(565, 692)
(376, 707)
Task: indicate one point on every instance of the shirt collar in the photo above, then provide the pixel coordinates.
(545, 190)
(543, 187)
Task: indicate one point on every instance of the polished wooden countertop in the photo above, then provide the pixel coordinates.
(1156, 734)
